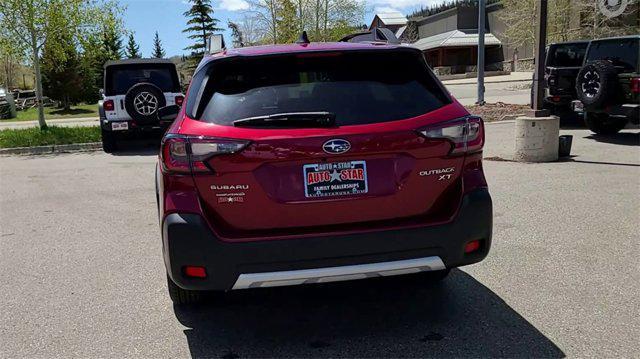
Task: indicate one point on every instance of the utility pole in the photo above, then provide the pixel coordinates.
(537, 133)
(480, 67)
(538, 77)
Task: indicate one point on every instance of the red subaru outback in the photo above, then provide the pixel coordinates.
(312, 163)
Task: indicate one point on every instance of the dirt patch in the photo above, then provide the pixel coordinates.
(498, 111)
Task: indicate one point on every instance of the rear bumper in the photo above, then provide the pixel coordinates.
(187, 240)
(133, 126)
(559, 100)
(629, 111)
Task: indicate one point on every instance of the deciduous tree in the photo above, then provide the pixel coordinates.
(33, 22)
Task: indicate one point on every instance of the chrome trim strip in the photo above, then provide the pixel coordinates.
(334, 274)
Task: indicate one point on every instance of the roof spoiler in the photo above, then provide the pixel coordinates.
(377, 34)
(215, 44)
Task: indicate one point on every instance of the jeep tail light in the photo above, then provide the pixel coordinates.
(466, 134)
(179, 100)
(108, 105)
(185, 154)
(635, 85)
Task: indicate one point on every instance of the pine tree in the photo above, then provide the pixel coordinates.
(112, 43)
(410, 34)
(133, 50)
(61, 78)
(158, 51)
(201, 25)
(236, 34)
(288, 22)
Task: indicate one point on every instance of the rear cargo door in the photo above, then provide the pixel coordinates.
(359, 170)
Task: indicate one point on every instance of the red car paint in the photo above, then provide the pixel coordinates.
(265, 199)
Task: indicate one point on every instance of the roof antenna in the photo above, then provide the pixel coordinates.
(303, 39)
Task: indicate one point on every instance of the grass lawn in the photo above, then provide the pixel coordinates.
(29, 137)
(52, 112)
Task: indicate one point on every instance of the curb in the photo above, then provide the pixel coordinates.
(43, 150)
(486, 82)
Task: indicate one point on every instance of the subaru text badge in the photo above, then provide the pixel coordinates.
(336, 146)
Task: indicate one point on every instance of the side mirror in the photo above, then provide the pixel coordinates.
(101, 92)
(168, 113)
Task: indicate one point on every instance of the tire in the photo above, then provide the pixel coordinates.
(142, 102)
(603, 124)
(597, 84)
(181, 296)
(109, 142)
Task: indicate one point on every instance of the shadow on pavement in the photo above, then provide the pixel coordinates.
(139, 146)
(622, 138)
(387, 317)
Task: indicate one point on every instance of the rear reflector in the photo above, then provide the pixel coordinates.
(472, 246)
(195, 272)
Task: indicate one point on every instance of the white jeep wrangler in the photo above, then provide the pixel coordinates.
(134, 91)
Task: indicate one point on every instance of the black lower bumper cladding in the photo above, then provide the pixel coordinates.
(188, 241)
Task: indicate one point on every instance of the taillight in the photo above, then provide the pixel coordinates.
(184, 154)
(108, 105)
(179, 100)
(466, 134)
(635, 85)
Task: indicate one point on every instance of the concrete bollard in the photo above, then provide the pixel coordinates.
(537, 139)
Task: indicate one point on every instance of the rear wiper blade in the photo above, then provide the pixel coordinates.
(291, 119)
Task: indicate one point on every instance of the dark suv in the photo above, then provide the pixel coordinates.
(312, 163)
(134, 90)
(562, 64)
(608, 85)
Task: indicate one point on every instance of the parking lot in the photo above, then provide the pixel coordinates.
(82, 273)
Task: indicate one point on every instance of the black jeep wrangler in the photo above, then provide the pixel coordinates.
(134, 91)
(608, 84)
(562, 64)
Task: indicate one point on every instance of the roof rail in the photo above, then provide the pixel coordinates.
(377, 34)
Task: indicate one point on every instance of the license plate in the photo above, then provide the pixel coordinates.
(335, 179)
(578, 106)
(119, 126)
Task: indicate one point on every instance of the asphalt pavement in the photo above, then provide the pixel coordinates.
(517, 92)
(82, 276)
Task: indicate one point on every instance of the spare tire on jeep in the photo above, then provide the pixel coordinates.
(142, 102)
(597, 84)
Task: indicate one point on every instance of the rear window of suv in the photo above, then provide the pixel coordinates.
(566, 55)
(621, 52)
(358, 87)
(120, 78)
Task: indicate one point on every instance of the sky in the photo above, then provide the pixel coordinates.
(145, 17)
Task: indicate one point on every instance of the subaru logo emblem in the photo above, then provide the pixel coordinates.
(336, 146)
